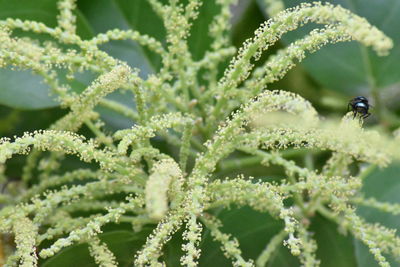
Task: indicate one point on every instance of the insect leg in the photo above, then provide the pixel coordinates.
(366, 115)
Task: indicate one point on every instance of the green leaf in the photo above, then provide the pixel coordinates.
(104, 15)
(44, 11)
(247, 19)
(252, 229)
(122, 243)
(23, 89)
(334, 249)
(140, 16)
(383, 185)
(114, 120)
(350, 68)
(199, 39)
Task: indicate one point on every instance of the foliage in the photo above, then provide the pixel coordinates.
(206, 136)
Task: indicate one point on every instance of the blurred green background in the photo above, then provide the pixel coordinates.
(328, 78)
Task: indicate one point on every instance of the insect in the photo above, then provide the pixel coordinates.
(359, 105)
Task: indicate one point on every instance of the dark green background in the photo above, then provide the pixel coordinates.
(328, 78)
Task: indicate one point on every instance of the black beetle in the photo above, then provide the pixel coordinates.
(359, 105)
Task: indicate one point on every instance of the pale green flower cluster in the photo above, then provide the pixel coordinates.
(273, 7)
(207, 118)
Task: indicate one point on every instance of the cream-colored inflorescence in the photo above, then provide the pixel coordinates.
(164, 174)
(191, 127)
(273, 7)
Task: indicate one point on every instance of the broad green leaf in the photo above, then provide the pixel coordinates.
(140, 16)
(104, 15)
(247, 19)
(173, 250)
(23, 89)
(199, 39)
(114, 120)
(44, 11)
(122, 243)
(334, 249)
(383, 185)
(350, 68)
(252, 229)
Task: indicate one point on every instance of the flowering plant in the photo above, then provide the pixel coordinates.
(204, 137)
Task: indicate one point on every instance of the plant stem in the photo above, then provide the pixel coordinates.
(270, 248)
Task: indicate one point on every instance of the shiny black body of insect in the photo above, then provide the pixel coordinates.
(359, 105)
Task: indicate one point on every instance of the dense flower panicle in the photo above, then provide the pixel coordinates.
(331, 137)
(81, 108)
(101, 254)
(66, 19)
(221, 24)
(140, 133)
(309, 248)
(157, 187)
(92, 228)
(152, 249)
(118, 34)
(278, 65)
(392, 208)
(270, 248)
(25, 235)
(229, 247)
(203, 121)
(192, 235)
(288, 20)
